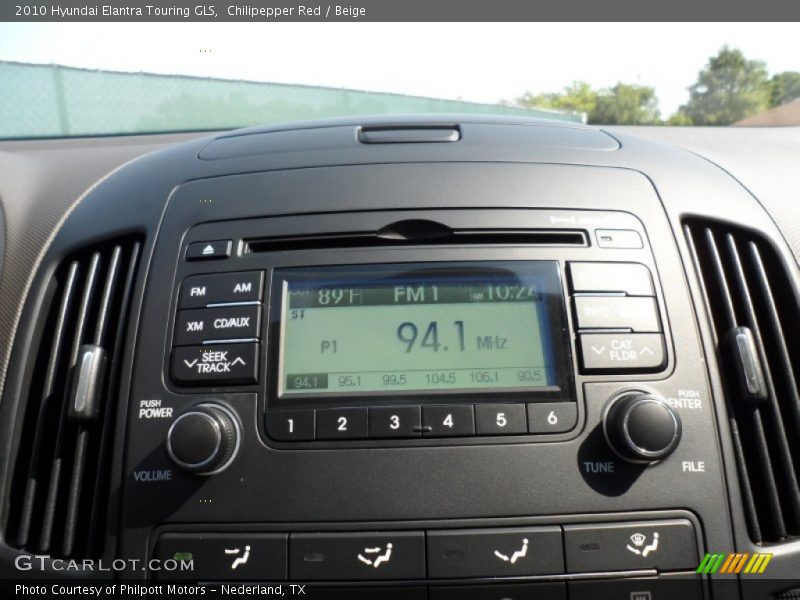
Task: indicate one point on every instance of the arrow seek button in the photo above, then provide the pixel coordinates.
(621, 352)
(220, 364)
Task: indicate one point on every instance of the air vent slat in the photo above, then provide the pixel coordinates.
(95, 514)
(770, 414)
(721, 280)
(65, 438)
(48, 406)
(82, 442)
(747, 486)
(101, 324)
(59, 504)
(783, 386)
(742, 276)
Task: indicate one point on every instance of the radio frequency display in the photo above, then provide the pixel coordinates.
(420, 330)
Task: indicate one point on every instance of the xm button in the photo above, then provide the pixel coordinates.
(215, 365)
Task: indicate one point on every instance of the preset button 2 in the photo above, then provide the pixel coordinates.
(342, 423)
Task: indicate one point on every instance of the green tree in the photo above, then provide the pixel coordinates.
(728, 89)
(626, 104)
(578, 97)
(679, 119)
(784, 87)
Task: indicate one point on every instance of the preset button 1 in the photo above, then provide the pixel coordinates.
(290, 425)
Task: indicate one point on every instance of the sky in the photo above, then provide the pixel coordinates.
(482, 62)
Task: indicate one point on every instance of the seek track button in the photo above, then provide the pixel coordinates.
(215, 365)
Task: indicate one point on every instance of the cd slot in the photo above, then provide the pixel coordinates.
(400, 236)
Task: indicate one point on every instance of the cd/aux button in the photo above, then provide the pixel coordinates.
(223, 323)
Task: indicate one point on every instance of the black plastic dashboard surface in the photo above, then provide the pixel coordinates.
(532, 174)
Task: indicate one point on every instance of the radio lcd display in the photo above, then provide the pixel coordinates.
(419, 328)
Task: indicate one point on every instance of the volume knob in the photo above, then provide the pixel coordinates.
(642, 427)
(204, 439)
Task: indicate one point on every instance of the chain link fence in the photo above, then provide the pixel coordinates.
(55, 101)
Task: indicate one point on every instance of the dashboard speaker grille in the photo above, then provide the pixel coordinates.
(754, 310)
(59, 490)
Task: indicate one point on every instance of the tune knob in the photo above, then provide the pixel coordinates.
(641, 427)
(204, 439)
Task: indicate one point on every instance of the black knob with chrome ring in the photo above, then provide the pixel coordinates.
(641, 427)
(204, 439)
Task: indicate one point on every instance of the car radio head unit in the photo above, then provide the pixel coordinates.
(423, 330)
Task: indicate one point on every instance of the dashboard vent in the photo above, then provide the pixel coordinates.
(755, 314)
(59, 490)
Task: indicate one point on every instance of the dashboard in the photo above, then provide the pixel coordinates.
(429, 357)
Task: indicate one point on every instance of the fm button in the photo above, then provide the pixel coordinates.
(199, 291)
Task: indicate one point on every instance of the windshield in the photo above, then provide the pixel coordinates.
(78, 79)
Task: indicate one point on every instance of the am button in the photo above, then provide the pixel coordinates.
(221, 288)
